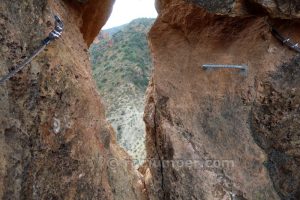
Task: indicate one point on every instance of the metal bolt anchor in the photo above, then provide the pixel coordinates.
(243, 68)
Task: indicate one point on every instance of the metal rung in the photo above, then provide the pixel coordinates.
(242, 68)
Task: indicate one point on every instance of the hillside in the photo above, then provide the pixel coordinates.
(121, 67)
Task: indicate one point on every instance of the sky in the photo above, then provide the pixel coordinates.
(125, 11)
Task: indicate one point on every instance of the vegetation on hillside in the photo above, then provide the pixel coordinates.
(121, 67)
(123, 56)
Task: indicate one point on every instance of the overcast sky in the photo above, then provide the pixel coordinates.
(125, 11)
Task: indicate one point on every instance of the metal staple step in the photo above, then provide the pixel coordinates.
(243, 68)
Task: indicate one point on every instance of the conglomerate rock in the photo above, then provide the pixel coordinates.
(55, 141)
(211, 134)
(222, 134)
(276, 8)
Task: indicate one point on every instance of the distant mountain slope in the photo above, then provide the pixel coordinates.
(113, 30)
(121, 67)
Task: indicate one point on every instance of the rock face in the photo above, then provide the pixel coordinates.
(55, 141)
(211, 134)
(221, 134)
(275, 8)
(92, 14)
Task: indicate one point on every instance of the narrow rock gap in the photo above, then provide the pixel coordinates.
(122, 65)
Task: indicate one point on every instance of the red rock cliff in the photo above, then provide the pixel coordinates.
(210, 134)
(55, 141)
(217, 134)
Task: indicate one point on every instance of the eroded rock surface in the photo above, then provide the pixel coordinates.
(55, 141)
(210, 134)
(276, 8)
(218, 134)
